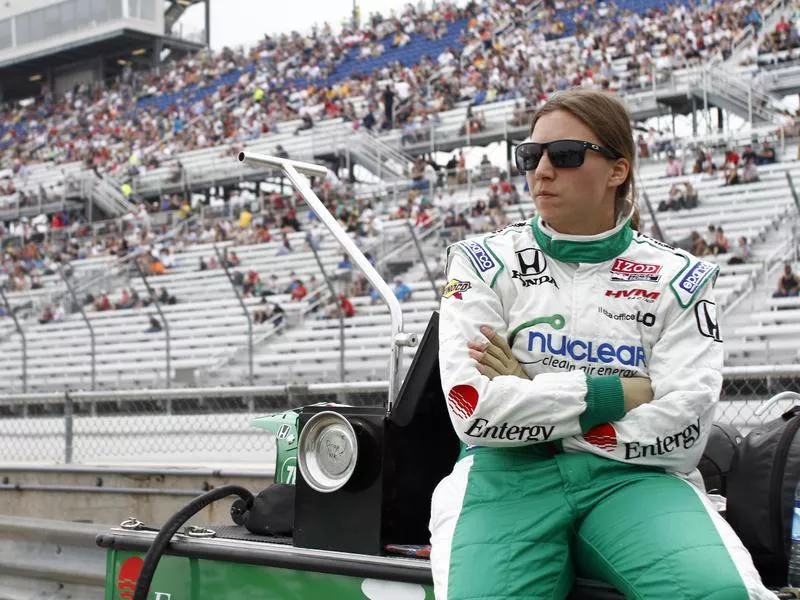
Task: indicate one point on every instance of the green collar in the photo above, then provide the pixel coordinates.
(583, 248)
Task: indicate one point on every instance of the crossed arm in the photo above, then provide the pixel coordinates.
(494, 358)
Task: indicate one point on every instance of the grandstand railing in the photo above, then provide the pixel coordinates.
(418, 245)
(750, 33)
(339, 310)
(92, 340)
(788, 250)
(212, 425)
(10, 311)
(18, 209)
(386, 245)
(332, 136)
(164, 320)
(222, 260)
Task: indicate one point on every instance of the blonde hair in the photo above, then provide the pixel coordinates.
(608, 118)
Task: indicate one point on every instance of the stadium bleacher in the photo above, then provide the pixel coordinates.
(207, 325)
(213, 97)
(122, 204)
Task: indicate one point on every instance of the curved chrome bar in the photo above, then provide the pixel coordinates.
(292, 170)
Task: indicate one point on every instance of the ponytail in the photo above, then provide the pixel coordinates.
(635, 217)
(625, 204)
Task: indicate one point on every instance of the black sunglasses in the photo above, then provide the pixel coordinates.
(563, 154)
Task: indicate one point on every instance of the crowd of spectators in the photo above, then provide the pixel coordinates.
(501, 54)
(736, 167)
(784, 36)
(504, 55)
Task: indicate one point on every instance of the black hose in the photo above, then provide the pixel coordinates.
(169, 529)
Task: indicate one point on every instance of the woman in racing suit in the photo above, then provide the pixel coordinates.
(581, 363)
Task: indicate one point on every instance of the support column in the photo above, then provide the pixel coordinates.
(158, 47)
(720, 122)
(208, 24)
(672, 114)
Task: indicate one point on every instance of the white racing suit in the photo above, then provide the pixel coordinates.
(554, 475)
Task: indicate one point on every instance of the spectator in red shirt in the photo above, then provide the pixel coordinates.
(731, 158)
(332, 312)
(102, 303)
(299, 292)
(347, 306)
(423, 219)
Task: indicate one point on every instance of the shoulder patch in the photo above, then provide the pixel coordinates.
(691, 279)
(484, 260)
(479, 255)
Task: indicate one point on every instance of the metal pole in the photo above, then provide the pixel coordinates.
(793, 190)
(653, 216)
(247, 315)
(86, 320)
(338, 310)
(705, 102)
(422, 258)
(20, 331)
(399, 337)
(68, 430)
(208, 24)
(160, 314)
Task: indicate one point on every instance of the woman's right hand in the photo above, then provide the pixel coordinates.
(637, 391)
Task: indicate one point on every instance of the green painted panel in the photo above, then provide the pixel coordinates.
(179, 578)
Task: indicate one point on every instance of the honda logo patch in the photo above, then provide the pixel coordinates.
(705, 312)
(531, 261)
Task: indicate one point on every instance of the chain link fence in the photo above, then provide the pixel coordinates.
(745, 390)
(207, 427)
(190, 427)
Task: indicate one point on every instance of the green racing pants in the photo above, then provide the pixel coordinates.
(522, 522)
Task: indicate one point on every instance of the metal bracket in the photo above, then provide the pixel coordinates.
(199, 532)
(407, 340)
(133, 524)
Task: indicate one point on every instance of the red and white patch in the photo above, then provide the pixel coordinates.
(128, 576)
(628, 270)
(603, 436)
(634, 294)
(462, 400)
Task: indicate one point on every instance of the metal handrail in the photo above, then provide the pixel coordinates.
(21, 332)
(769, 264)
(248, 316)
(418, 246)
(86, 320)
(793, 190)
(339, 311)
(400, 339)
(157, 306)
(321, 389)
(436, 225)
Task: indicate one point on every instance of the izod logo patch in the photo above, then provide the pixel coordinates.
(463, 399)
(628, 270)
